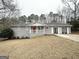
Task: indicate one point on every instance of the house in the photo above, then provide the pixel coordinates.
(36, 29)
(56, 26)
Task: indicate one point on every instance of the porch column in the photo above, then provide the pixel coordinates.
(44, 30)
(52, 30)
(59, 30)
(36, 29)
(68, 30)
(29, 30)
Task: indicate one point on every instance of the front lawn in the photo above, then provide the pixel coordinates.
(42, 47)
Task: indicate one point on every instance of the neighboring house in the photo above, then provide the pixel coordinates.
(56, 26)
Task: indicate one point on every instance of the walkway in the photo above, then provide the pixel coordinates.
(73, 37)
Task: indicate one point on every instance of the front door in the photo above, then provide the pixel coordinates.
(33, 28)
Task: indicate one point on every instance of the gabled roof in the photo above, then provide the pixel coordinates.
(35, 24)
(29, 24)
(40, 24)
(19, 25)
(57, 24)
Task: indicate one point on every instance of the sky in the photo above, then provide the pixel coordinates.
(38, 7)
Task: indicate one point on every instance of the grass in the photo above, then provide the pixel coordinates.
(42, 47)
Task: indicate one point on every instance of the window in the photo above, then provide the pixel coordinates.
(40, 27)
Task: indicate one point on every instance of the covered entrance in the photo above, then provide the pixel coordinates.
(37, 29)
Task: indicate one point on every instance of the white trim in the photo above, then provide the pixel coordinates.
(68, 30)
(52, 30)
(59, 30)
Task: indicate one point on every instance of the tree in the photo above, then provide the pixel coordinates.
(4, 23)
(36, 18)
(75, 24)
(71, 11)
(43, 18)
(73, 6)
(29, 19)
(8, 8)
(23, 18)
(66, 12)
(33, 17)
(7, 22)
(13, 21)
(51, 14)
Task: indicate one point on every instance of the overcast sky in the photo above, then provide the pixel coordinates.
(38, 7)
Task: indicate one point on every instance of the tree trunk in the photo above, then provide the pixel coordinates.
(75, 15)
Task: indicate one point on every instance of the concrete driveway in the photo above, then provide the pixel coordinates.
(73, 37)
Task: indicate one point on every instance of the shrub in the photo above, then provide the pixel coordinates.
(17, 37)
(7, 33)
(23, 38)
(27, 37)
(75, 25)
(13, 37)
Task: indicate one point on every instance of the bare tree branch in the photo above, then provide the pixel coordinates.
(9, 7)
(73, 5)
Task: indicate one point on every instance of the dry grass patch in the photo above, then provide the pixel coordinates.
(42, 47)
